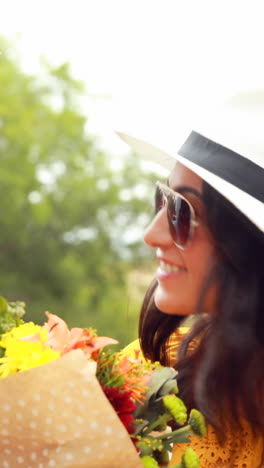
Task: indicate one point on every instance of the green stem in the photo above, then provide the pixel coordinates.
(181, 430)
(161, 419)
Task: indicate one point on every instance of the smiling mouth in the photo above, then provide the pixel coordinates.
(168, 268)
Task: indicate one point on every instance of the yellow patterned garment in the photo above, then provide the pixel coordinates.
(243, 451)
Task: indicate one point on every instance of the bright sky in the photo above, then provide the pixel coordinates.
(156, 61)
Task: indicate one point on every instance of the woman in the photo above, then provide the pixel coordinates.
(208, 236)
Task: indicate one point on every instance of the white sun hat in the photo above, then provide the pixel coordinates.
(228, 155)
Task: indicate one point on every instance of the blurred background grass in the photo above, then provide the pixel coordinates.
(71, 221)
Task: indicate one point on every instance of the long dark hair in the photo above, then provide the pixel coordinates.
(224, 375)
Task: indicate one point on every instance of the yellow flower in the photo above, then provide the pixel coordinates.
(25, 330)
(25, 347)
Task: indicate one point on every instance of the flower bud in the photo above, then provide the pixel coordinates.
(176, 408)
(149, 462)
(197, 423)
(190, 459)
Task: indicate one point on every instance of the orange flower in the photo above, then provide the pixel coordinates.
(60, 338)
(135, 381)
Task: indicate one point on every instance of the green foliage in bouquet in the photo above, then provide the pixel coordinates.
(161, 408)
(11, 314)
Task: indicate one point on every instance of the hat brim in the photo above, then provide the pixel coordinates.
(251, 207)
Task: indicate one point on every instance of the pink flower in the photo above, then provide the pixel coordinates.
(61, 338)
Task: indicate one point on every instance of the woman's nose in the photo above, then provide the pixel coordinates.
(157, 233)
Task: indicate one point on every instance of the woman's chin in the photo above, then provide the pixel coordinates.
(168, 305)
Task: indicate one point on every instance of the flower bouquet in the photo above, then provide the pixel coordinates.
(67, 402)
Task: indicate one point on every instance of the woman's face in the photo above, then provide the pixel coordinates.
(178, 291)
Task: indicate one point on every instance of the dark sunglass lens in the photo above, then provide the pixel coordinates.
(159, 200)
(179, 214)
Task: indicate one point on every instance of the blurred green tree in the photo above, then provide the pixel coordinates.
(65, 214)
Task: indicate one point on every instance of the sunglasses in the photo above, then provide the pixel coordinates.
(180, 213)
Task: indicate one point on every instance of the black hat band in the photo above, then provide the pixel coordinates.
(225, 163)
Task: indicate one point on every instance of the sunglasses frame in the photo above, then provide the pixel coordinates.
(167, 192)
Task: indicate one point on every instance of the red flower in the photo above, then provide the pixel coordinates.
(123, 405)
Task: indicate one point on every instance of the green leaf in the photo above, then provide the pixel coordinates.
(139, 426)
(162, 383)
(3, 305)
(10, 315)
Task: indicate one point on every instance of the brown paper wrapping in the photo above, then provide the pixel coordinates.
(56, 415)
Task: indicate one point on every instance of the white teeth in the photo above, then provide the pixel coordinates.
(169, 268)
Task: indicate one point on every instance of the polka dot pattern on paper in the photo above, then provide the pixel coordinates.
(6, 407)
(62, 418)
